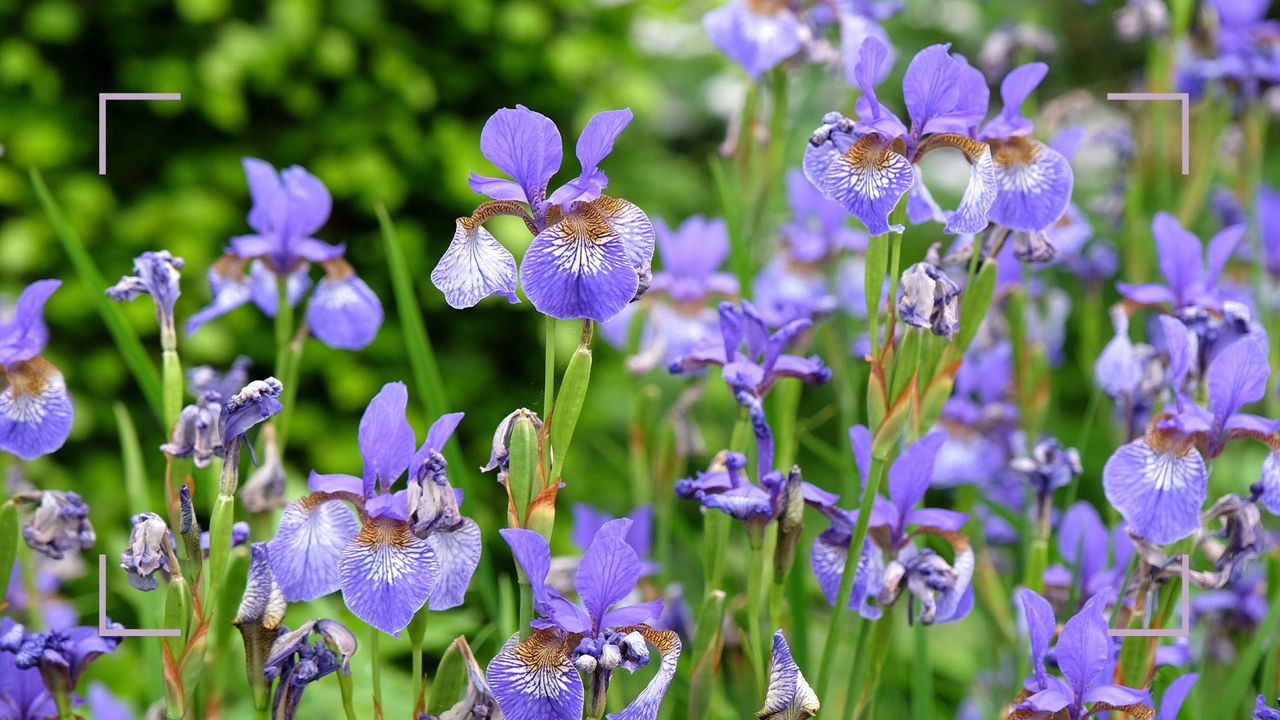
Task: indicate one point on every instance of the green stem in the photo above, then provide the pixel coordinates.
(171, 372)
(375, 658)
(716, 526)
(417, 631)
(756, 569)
(348, 695)
(289, 381)
(922, 687)
(881, 639)
(1038, 554)
(1271, 664)
(841, 609)
(526, 605)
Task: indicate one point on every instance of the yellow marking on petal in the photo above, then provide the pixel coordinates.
(1015, 151)
(30, 377)
(229, 267)
(972, 149)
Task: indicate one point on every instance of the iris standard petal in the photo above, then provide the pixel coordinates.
(458, 551)
(525, 145)
(533, 554)
(24, 335)
(1016, 87)
(594, 144)
(868, 180)
(307, 545)
(910, 474)
(943, 93)
(644, 612)
(645, 705)
(474, 267)
(386, 438)
(609, 569)
(1238, 376)
(309, 202)
(579, 268)
(1034, 182)
(387, 573)
(1159, 486)
(534, 679)
(270, 206)
(344, 313)
(789, 696)
(231, 289)
(1084, 649)
(1040, 628)
(35, 409)
(1180, 257)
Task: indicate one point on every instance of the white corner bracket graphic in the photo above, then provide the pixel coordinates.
(1185, 99)
(1185, 606)
(102, 118)
(105, 631)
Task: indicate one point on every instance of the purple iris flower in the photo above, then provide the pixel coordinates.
(1245, 53)
(978, 420)
(1085, 655)
(756, 34)
(1160, 481)
(867, 165)
(405, 548)
(591, 254)
(1263, 711)
(587, 521)
(1175, 695)
(1096, 559)
(892, 562)
(23, 695)
(538, 678)
(289, 207)
(789, 696)
(155, 273)
(59, 656)
(1190, 278)
(763, 363)
(795, 283)
(35, 410)
(677, 315)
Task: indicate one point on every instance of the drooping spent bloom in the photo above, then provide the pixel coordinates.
(35, 410)
(259, 617)
(289, 208)
(763, 363)
(795, 283)
(1132, 375)
(868, 164)
(1191, 277)
(156, 273)
(206, 428)
(725, 487)
(406, 547)
(756, 34)
(677, 316)
(930, 299)
(538, 678)
(591, 254)
(60, 523)
(205, 379)
(1159, 481)
(298, 661)
(61, 656)
(1049, 467)
(264, 490)
(150, 549)
(1085, 655)
(789, 696)
(23, 695)
(477, 702)
(890, 561)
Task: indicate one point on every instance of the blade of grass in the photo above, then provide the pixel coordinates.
(126, 340)
(135, 474)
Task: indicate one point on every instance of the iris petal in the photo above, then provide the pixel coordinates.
(971, 215)
(609, 569)
(789, 696)
(1158, 486)
(35, 410)
(231, 289)
(305, 550)
(458, 551)
(387, 573)
(633, 226)
(579, 268)
(474, 267)
(344, 313)
(868, 180)
(534, 680)
(1034, 183)
(1270, 483)
(645, 705)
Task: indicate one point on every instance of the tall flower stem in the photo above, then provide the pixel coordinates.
(881, 639)
(1038, 553)
(417, 631)
(348, 695)
(171, 374)
(220, 522)
(375, 658)
(597, 692)
(756, 568)
(841, 609)
(288, 355)
(922, 688)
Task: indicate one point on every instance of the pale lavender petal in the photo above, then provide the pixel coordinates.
(633, 226)
(937, 518)
(270, 208)
(633, 614)
(970, 216)
(1180, 256)
(534, 555)
(910, 474)
(458, 552)
(525, 145)
(1041, 625)
(35, 409)
(860, 439)
(496, 188)
(609, 570)
(344, 313)
(645, 705)
(1269, 484)
(309, 202)
(335, 483)
(1035, 184)
(1238, 375)
(1146, 294)
(1221, 247)
(1016, 87)
(1158, 491)
(534, 680)
(231, 289)
(387, 573)
(265, 291)
(1084, 649)
(1175, 695)
(756, 41)
(1182, 345)
(24, 335)
(868, 180)
(943, 93)
(1117, 695)
(307, 545)
(579, 268)
(474, 267)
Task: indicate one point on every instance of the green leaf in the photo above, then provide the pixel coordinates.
(8, 540)
(707, 647)
(126, 340)
(573, 393)
(135, 474)
(974, 304)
